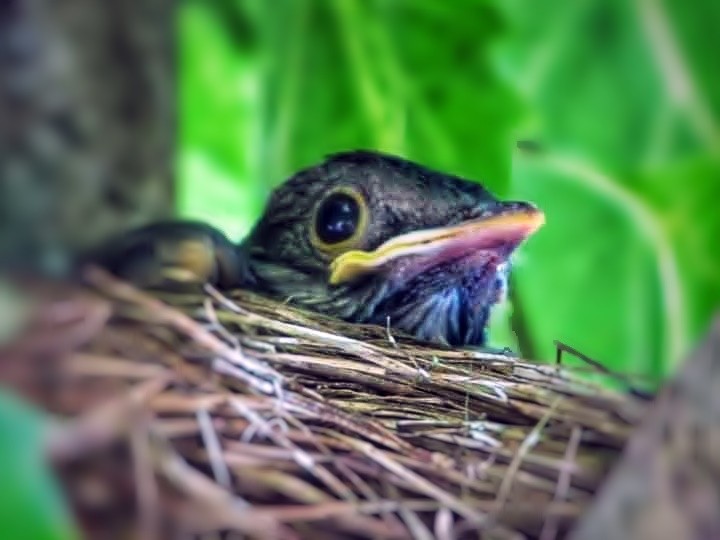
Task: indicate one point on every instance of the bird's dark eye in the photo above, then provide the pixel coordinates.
(339, 220)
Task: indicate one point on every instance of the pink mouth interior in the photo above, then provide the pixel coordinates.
(477, 248)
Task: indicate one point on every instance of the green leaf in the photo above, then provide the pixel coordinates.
(363, 74)
(609, 81)
(683, 197)
(331, 76)
(600, 276)
(31, 504)
(218, 100)
(630, 280)
(625, 110)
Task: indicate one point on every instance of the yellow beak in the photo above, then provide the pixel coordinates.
(478, 234)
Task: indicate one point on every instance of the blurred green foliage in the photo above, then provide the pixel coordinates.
(620, 98)
(32, 506)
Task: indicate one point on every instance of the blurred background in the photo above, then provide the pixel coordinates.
(604, 113)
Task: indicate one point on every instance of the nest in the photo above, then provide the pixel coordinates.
(198, 414)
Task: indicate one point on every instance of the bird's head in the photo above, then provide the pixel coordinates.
(366, 237)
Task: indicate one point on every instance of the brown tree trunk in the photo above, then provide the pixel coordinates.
(86, 122)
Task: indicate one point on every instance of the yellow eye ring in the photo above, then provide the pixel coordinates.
(339, 221)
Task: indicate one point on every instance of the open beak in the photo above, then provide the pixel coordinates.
(502, 229)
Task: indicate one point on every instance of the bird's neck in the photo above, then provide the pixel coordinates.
(455, 313)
